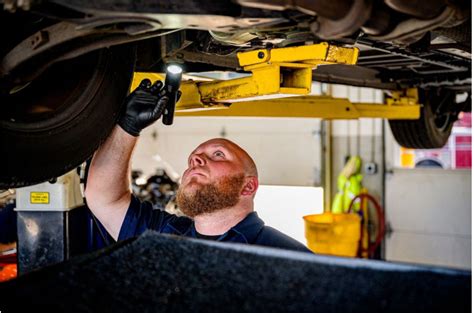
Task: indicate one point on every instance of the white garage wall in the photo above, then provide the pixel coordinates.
(356, 137)
(286, 151)
(283, 207)
(429, 213)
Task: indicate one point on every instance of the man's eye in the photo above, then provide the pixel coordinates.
(219, 154)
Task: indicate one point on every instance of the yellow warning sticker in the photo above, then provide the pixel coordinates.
(39, 197)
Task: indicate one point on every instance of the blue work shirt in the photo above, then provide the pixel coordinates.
(8, 232)
(141, 216)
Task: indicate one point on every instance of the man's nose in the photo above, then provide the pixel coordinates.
(197, 160)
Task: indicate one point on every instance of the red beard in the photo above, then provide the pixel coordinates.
(211, 197)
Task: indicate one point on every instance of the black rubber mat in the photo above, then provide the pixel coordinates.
(160, 273)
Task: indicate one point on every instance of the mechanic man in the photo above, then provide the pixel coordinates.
(216, 192)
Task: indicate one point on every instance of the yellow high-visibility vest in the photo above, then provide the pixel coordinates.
(349, 185)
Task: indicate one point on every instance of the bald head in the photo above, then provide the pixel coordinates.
(248, 164)
(219, 170)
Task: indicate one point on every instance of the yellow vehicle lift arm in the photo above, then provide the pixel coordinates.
(277, 87)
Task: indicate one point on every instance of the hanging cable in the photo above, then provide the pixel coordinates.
(380, 219)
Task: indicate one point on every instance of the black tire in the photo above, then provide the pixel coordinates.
(433, 128)
(58, 121)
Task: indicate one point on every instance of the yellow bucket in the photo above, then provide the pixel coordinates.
(336, 234)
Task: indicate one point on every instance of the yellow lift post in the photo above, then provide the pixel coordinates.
(279, 86)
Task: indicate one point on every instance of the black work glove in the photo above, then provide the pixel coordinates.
(143, 107)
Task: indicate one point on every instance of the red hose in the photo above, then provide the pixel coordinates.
(381, 221)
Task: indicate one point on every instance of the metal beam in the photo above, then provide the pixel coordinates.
(308, 107)
(191, 104)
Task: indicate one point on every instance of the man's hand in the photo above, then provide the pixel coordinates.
(143, 107)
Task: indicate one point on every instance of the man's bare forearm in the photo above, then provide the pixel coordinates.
(108, 183)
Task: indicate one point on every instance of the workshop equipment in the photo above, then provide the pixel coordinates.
(346, 234)
(345, 230)
(326, 107)
(171, 87)
(279, 71)
(366, 227)
(51, 222)
(333, 233)
(368, 248)
(278, 86)
(191, 104)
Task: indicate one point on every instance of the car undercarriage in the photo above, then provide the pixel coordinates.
(67, 65)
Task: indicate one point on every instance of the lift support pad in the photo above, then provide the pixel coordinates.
(163, 273)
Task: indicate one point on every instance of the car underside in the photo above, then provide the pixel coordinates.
(67, 65)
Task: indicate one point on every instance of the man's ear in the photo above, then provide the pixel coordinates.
(250, 186)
